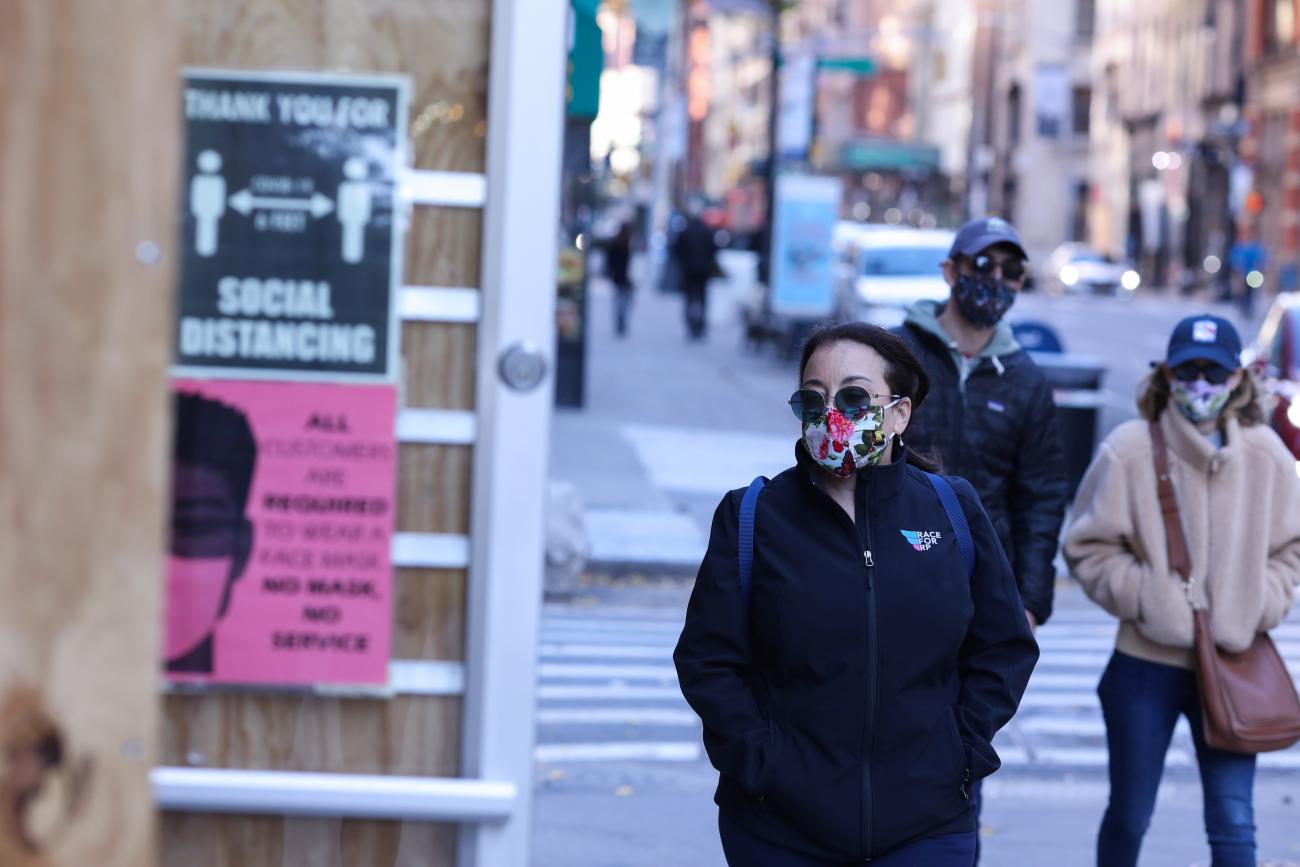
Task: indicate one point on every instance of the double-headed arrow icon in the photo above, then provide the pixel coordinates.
(245, 202)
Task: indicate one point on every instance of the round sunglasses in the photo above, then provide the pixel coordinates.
(985, 265)
(1190, 371)
(853, 402)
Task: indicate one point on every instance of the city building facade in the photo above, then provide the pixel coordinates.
(1040, 118)
(1165, 138)
(1272, 145)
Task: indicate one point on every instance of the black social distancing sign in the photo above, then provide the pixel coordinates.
(291, 248)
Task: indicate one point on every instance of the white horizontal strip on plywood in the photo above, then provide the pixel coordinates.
(359, 796)
(446, 189)
(437, 427)
(426, 677)
(430, 550)
(439, 304)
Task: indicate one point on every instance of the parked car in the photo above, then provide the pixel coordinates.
(1275, 357)
(892, 270)
(1074, 267)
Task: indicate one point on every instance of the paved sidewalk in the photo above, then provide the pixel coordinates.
(669, 426)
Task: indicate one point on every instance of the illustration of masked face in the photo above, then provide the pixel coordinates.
(210, 544)
(196, 594)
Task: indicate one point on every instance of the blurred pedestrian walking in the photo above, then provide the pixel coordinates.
(991, 418)
(618, 262)
(848, 706)
(695, 250)
(1236, 498)
(1248, 259)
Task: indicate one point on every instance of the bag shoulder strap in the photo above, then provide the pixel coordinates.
(957, 518)
(1179, 560)
(745, 541)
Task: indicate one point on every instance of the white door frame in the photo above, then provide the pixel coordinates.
(524, 132)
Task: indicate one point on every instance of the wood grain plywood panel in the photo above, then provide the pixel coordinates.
(407, 735)
(441, 44)
(438, 369)
(429, 614)
(433, 488)
(88, 99)
(191, 840)
(442, 246)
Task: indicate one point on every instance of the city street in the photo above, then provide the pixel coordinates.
(621, 775)
(647, 455)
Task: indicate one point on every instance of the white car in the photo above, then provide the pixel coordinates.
(894, 270)
(1075, 267)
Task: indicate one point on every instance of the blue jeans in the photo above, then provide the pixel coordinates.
(1141, 702)
(744, 849)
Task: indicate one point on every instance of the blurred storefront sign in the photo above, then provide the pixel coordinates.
(859, 66)
(1051, 99)
(879, 154)
(803, 265)
(795, 118)
(654, 19)
(586, 61)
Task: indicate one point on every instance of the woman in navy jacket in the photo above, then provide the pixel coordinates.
(850, 695)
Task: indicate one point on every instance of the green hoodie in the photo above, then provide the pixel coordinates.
(925, 315)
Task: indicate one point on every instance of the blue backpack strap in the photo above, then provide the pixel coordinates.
(957, 518)
(745, 541)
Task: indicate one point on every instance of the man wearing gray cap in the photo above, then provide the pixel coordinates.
(990, 416)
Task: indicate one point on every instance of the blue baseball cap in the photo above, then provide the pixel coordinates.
(1205, 338)
(978, 235)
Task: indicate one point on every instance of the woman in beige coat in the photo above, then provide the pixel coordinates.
(1239, 497)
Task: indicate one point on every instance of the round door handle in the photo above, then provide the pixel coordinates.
(522, 366)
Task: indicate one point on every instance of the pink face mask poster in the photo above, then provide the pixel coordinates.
(283, 501)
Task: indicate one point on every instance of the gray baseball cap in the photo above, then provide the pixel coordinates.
(978, 235)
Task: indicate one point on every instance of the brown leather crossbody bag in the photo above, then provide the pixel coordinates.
(1248, 702)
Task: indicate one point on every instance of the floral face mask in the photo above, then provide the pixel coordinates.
(843, 446)
(1199, 400)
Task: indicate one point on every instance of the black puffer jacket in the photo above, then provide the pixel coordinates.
(996, 426)
(849, 701)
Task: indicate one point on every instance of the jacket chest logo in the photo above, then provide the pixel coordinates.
(922, 540)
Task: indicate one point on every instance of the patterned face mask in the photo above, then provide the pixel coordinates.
(982, 300)
(842, 446)
(1200, 401)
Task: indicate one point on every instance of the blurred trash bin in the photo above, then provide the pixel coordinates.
(1037, 336)
(1076, 382)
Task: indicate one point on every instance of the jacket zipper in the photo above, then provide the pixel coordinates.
(869, 734)
(869, 718)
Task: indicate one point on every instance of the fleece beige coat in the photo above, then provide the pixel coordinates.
(1241, 514)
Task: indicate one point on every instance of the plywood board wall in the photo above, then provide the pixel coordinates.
(88, 140)
(442, 45)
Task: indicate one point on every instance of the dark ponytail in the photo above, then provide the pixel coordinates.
(903, 372)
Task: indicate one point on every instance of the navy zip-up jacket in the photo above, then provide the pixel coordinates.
(850, 702)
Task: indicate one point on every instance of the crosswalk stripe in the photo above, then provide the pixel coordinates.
(603, 651)
(582, 671)
(1050, 698)
(603, 677)
(627, 751)
(618, 716)
(570, 640)
(585, 692)
(1051, 680)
